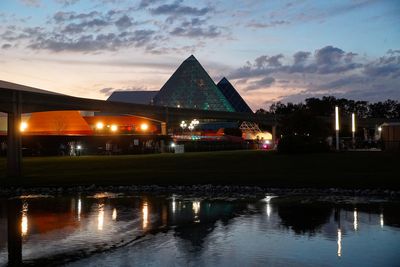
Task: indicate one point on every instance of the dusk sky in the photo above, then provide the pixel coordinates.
(269, 50)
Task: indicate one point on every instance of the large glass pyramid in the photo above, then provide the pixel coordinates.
(191, 87)
(233, 96)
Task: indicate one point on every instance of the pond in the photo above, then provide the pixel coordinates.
(108, 229)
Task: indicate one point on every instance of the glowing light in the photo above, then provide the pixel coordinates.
(100, 218)
(382, 221)
(339, 243)
(267, 142)
(355, 223)
(114, 214)
(79, 147)
(144, 127)
(79, 209)
(24, 221)
(380, 129)
(191, 127)
(183, 125)
(173, 144)
(23, 126)
(99, 126)
(353, 122)
(337, 118)
(114, 128)
(145, 213)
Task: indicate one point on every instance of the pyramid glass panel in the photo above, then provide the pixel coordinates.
(191, 87)
(233, 96)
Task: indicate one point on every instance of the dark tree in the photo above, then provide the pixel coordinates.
(325, 106)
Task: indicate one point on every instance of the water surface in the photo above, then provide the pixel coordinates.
(170, 230)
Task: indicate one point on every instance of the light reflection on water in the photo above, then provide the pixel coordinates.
(339, 242)
(265, 231)
(355, 223)
(100, 217)
(145, 211)
(24, 219)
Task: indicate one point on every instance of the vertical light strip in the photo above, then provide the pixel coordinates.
(339, 242)
(353, 122)
(337, 118)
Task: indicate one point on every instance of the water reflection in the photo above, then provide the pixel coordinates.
(304, 218)
(145, 214)
(173, 204)
(114, 214)
(24, 220)
(268, 209)
(79, 208)
(355, 222)
(196, 210)
(339, 242)
(53, 229)
(100, 217)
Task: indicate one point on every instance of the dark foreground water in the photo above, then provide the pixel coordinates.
(171, 230)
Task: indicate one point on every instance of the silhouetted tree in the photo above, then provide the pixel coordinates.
(325, 107)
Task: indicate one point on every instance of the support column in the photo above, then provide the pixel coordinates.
(273, 136)
(14, 232)
(14, 146)
(164, 128)
(164, 133)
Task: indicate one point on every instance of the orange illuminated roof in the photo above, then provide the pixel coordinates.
(58, 123)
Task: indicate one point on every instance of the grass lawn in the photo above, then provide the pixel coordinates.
(346, 169)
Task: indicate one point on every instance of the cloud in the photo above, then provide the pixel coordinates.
(345, 81)
(123, 22)
(262, 83)
(301, 57)
(328, 71)
(326, 60)
(31, 3)
(6, 46)
(107, 91)
(386, 66)
(67, 2)
(266, 61)
(274, 23)
(177, 9)
(60, 16)
(74, 28)
(197, 32)
(146, 3)
(91, 43)
(113, 29)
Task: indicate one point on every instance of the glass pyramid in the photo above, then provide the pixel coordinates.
(233, 96)
(191, 87)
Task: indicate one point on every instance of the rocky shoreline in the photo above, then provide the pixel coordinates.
(200, 190)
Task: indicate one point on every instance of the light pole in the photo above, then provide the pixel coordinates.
(183, 125)
(353, 129)
(337, 126)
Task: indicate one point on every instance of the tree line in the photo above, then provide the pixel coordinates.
(325, 106)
